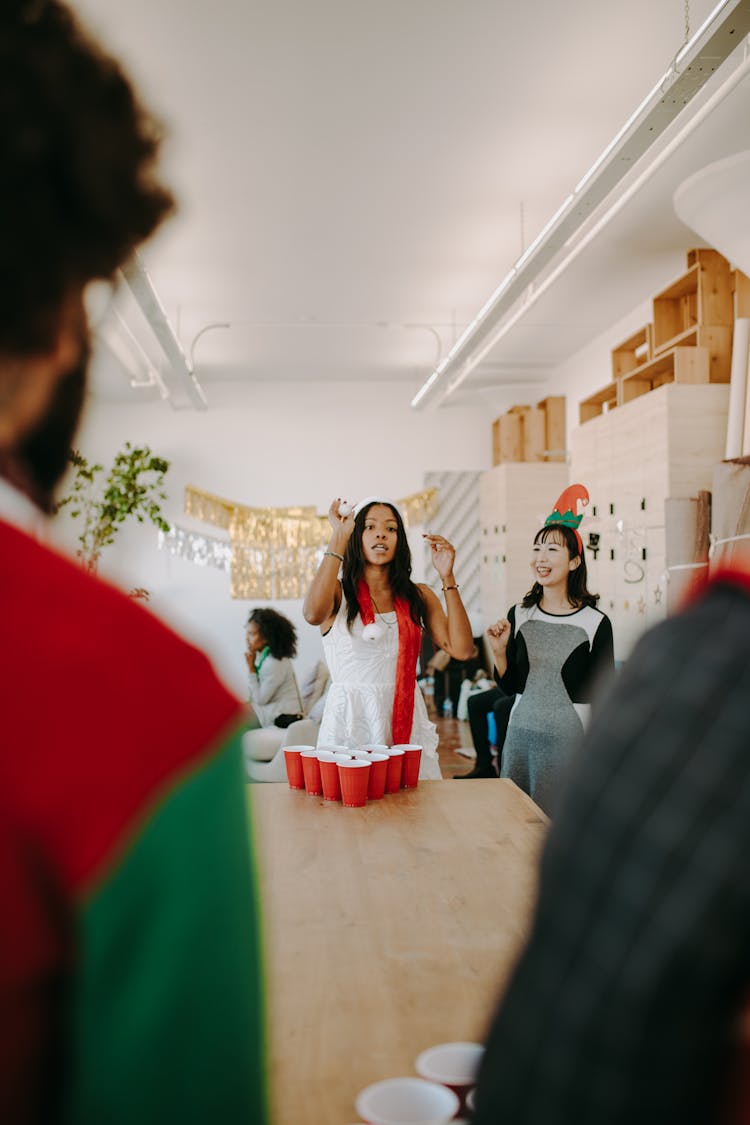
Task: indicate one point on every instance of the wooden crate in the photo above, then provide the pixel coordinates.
(533, 429)
(633, 352)
(702, 296)
(741, 289)
(678, 365)
(507, 438)
(554, 427)
(598, 403)
(530, 433)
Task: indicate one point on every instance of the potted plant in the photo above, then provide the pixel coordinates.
(132, 487)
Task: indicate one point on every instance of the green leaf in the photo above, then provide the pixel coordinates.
(133, 486)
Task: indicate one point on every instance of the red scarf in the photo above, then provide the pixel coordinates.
(409, 640)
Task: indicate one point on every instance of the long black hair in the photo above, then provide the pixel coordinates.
(399, 572)
(277, 631)
(578, 592)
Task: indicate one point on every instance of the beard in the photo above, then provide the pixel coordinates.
(43, 452)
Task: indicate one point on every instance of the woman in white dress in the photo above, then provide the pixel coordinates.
(371, 620)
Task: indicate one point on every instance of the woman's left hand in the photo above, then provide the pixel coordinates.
(443, 554)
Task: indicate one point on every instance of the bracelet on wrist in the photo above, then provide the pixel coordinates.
(334, 555)
(454, 587)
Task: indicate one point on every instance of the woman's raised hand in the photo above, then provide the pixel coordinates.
(343, 526)
(498, 635)
(443, 554)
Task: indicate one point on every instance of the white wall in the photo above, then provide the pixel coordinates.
(279, 444)
(267, 444)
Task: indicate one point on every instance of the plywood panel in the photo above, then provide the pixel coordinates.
(663, 444)
(697, 436)
(510, 438)
(525, 493)
(686, 529)
(534, 435)
(554, 412)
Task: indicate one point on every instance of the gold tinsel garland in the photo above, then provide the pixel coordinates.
(276, 551)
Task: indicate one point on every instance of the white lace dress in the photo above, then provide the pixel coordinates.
(359, 704)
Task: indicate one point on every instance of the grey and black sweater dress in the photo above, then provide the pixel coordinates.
(553, 662)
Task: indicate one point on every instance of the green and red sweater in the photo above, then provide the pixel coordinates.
(130, 961)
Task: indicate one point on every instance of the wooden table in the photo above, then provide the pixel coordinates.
(387, 929)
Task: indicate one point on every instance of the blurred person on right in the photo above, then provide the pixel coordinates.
(627, 1004)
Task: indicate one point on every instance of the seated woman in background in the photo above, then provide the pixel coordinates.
(372, 620)
(273, 691)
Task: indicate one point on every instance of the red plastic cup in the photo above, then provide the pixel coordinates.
(412, 758)
(354, 776)
(364, 755)
(293, 764)
(329, 775)
(378, 774)
(374, 747)
(311, 772)
(395, 768)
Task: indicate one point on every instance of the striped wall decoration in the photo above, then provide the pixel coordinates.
(457, 518)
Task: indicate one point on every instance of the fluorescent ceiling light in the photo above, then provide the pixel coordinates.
(148, 301)
(116, 336)
(717, 38)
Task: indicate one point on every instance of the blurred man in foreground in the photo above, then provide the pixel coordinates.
(129, 959)
(627, 1004)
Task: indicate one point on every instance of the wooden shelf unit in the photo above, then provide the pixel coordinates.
(689, 341)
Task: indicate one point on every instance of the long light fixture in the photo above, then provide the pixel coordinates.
(577, 245)
(117, 337)
(143, 291)
(717, 37)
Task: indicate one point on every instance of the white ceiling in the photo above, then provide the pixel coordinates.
(355, 179)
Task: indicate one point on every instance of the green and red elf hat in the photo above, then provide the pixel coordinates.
(566, 510)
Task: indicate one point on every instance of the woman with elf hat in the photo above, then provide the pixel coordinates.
(371, 619)
(549, 651)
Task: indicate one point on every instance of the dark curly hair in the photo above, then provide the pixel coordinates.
(400, 569)
(78, 189)
(277, 631)
(578, 593)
